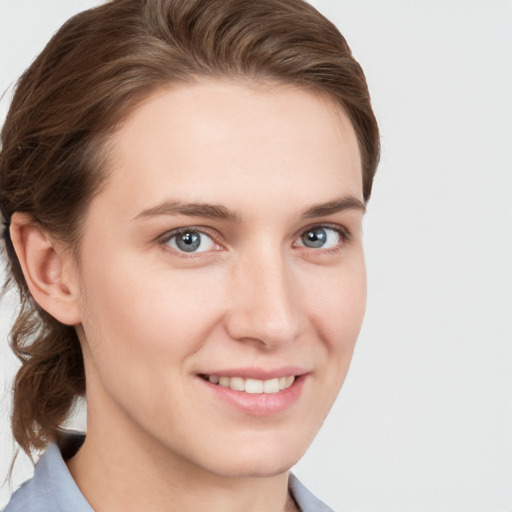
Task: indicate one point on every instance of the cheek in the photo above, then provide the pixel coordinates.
(141, 333)
(338, 303)
(150, 309)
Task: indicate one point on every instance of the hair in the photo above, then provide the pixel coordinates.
(96, 69)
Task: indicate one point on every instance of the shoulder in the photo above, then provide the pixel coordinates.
(35, 495)
(305, 499)
(27, 498)
(51, 488)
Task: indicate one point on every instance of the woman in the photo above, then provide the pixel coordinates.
(183, 185)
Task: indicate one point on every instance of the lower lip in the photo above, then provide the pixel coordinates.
(258, 404)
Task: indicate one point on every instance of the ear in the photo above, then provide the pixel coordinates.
(48, 268)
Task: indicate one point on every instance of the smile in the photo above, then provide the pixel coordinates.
(252, 386)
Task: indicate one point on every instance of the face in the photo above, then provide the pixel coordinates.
(222, 275)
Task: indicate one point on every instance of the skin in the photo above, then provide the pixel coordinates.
(151, 319)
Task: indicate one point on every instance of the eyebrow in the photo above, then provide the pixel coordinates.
(209, 211)
(335, 206)
(219, 212)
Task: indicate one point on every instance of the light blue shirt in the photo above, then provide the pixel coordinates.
(52, 488)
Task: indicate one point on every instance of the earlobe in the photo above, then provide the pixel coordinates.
(46, 270)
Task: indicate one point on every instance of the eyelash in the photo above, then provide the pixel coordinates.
(344, 234)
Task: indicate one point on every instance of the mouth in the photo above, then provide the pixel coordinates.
(275, 392)
(252, 386)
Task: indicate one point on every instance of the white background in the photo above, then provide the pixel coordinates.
(424, 422)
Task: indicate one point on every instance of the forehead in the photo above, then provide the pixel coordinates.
(209, 138)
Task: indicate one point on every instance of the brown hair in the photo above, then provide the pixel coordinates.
(97, 67)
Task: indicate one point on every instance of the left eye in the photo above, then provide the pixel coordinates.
(320, 238)
(191, 241)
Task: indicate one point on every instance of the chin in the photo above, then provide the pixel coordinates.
(259, 462)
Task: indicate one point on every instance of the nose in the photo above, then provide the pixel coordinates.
(264, 303)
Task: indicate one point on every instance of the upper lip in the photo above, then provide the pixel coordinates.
(258, 373)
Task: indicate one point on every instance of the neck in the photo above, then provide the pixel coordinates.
(117, 470)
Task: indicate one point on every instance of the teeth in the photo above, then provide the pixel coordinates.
(271, 386)
(253, 386)
(237, 383)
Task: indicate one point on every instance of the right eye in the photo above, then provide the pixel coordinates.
(190, 241)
